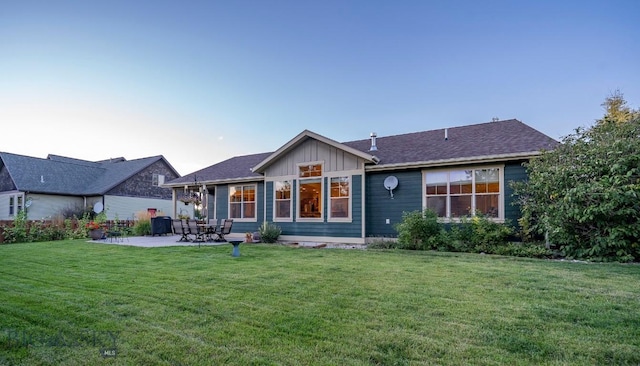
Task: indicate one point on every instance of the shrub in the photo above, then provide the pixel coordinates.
(142, 226)
(476, 234)
(269, 232)
(75, 211)
(420, 230)
(17, 233)
(382, 243)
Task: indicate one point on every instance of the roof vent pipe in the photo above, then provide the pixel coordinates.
(446, 134)
(373, 142)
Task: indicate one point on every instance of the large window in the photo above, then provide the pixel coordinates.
(464, 192)
(340, 193)
(242, 202)
(310, 191)
(282, 200)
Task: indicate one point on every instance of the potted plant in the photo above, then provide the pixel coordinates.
(96, 230)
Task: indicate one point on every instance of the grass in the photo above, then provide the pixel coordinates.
(66, 302)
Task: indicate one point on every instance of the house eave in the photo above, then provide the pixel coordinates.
(456, 161)
(215, 182)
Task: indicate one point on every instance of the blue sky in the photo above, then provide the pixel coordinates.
(201, 81)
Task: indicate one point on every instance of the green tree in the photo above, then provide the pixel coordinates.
(617, 110)
(585, 194)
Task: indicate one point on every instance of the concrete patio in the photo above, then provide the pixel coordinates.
(162, 241)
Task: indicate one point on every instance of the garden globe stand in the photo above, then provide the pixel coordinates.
(236, 248)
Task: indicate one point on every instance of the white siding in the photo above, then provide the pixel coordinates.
(43, 206)
(127, 207)
(4, 206)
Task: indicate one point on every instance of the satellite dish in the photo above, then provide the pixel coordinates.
(98, 207)
(28, 203)
(390, 183)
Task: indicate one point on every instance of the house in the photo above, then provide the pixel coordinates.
(320, 190)
(48, 187)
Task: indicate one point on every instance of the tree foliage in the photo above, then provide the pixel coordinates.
(586, 193)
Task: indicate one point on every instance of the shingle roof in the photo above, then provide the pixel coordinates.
(236, 168)
(507, 137)
(485, 140)
(62, 175)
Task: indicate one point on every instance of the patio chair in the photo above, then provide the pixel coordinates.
(179, 229)
(116, 232)
(211, 228)
(225, 228)
(196, 231)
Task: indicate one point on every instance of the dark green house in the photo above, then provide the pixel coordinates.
(320, 190)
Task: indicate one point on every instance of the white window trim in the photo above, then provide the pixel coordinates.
(16, 207)
(157, 179)
(349, 217)
(448, 219)
(300, 180)
(283, 219)
(244, 219)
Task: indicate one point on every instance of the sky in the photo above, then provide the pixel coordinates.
(201, 81)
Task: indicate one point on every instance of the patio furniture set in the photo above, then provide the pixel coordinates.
(199, 232)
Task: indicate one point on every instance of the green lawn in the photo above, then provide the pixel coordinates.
(72, 302)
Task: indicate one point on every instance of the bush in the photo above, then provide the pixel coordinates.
(17, 233)
(269, 233)
(478, 234)
(142, 228)
(420, 230)
(382, 243)
(584, 193)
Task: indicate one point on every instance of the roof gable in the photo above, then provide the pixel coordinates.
(299, 139)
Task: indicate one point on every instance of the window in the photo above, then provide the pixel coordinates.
(242, 202)
(157, 180)
(15, 204)
(282, 196)
(457, 193)
(339, 197)
(310, 191)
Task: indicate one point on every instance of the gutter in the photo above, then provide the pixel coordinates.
(455, 161)
(214, 182)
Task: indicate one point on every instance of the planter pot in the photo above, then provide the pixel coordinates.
(96, 234)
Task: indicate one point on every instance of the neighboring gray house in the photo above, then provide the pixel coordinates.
(317, 189)
(46, 187)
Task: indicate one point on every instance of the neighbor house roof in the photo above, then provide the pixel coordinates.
(69, 176)
(491, 141)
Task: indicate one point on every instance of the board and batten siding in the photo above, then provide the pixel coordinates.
(325, 229)
(310, 150)
(380, 207)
